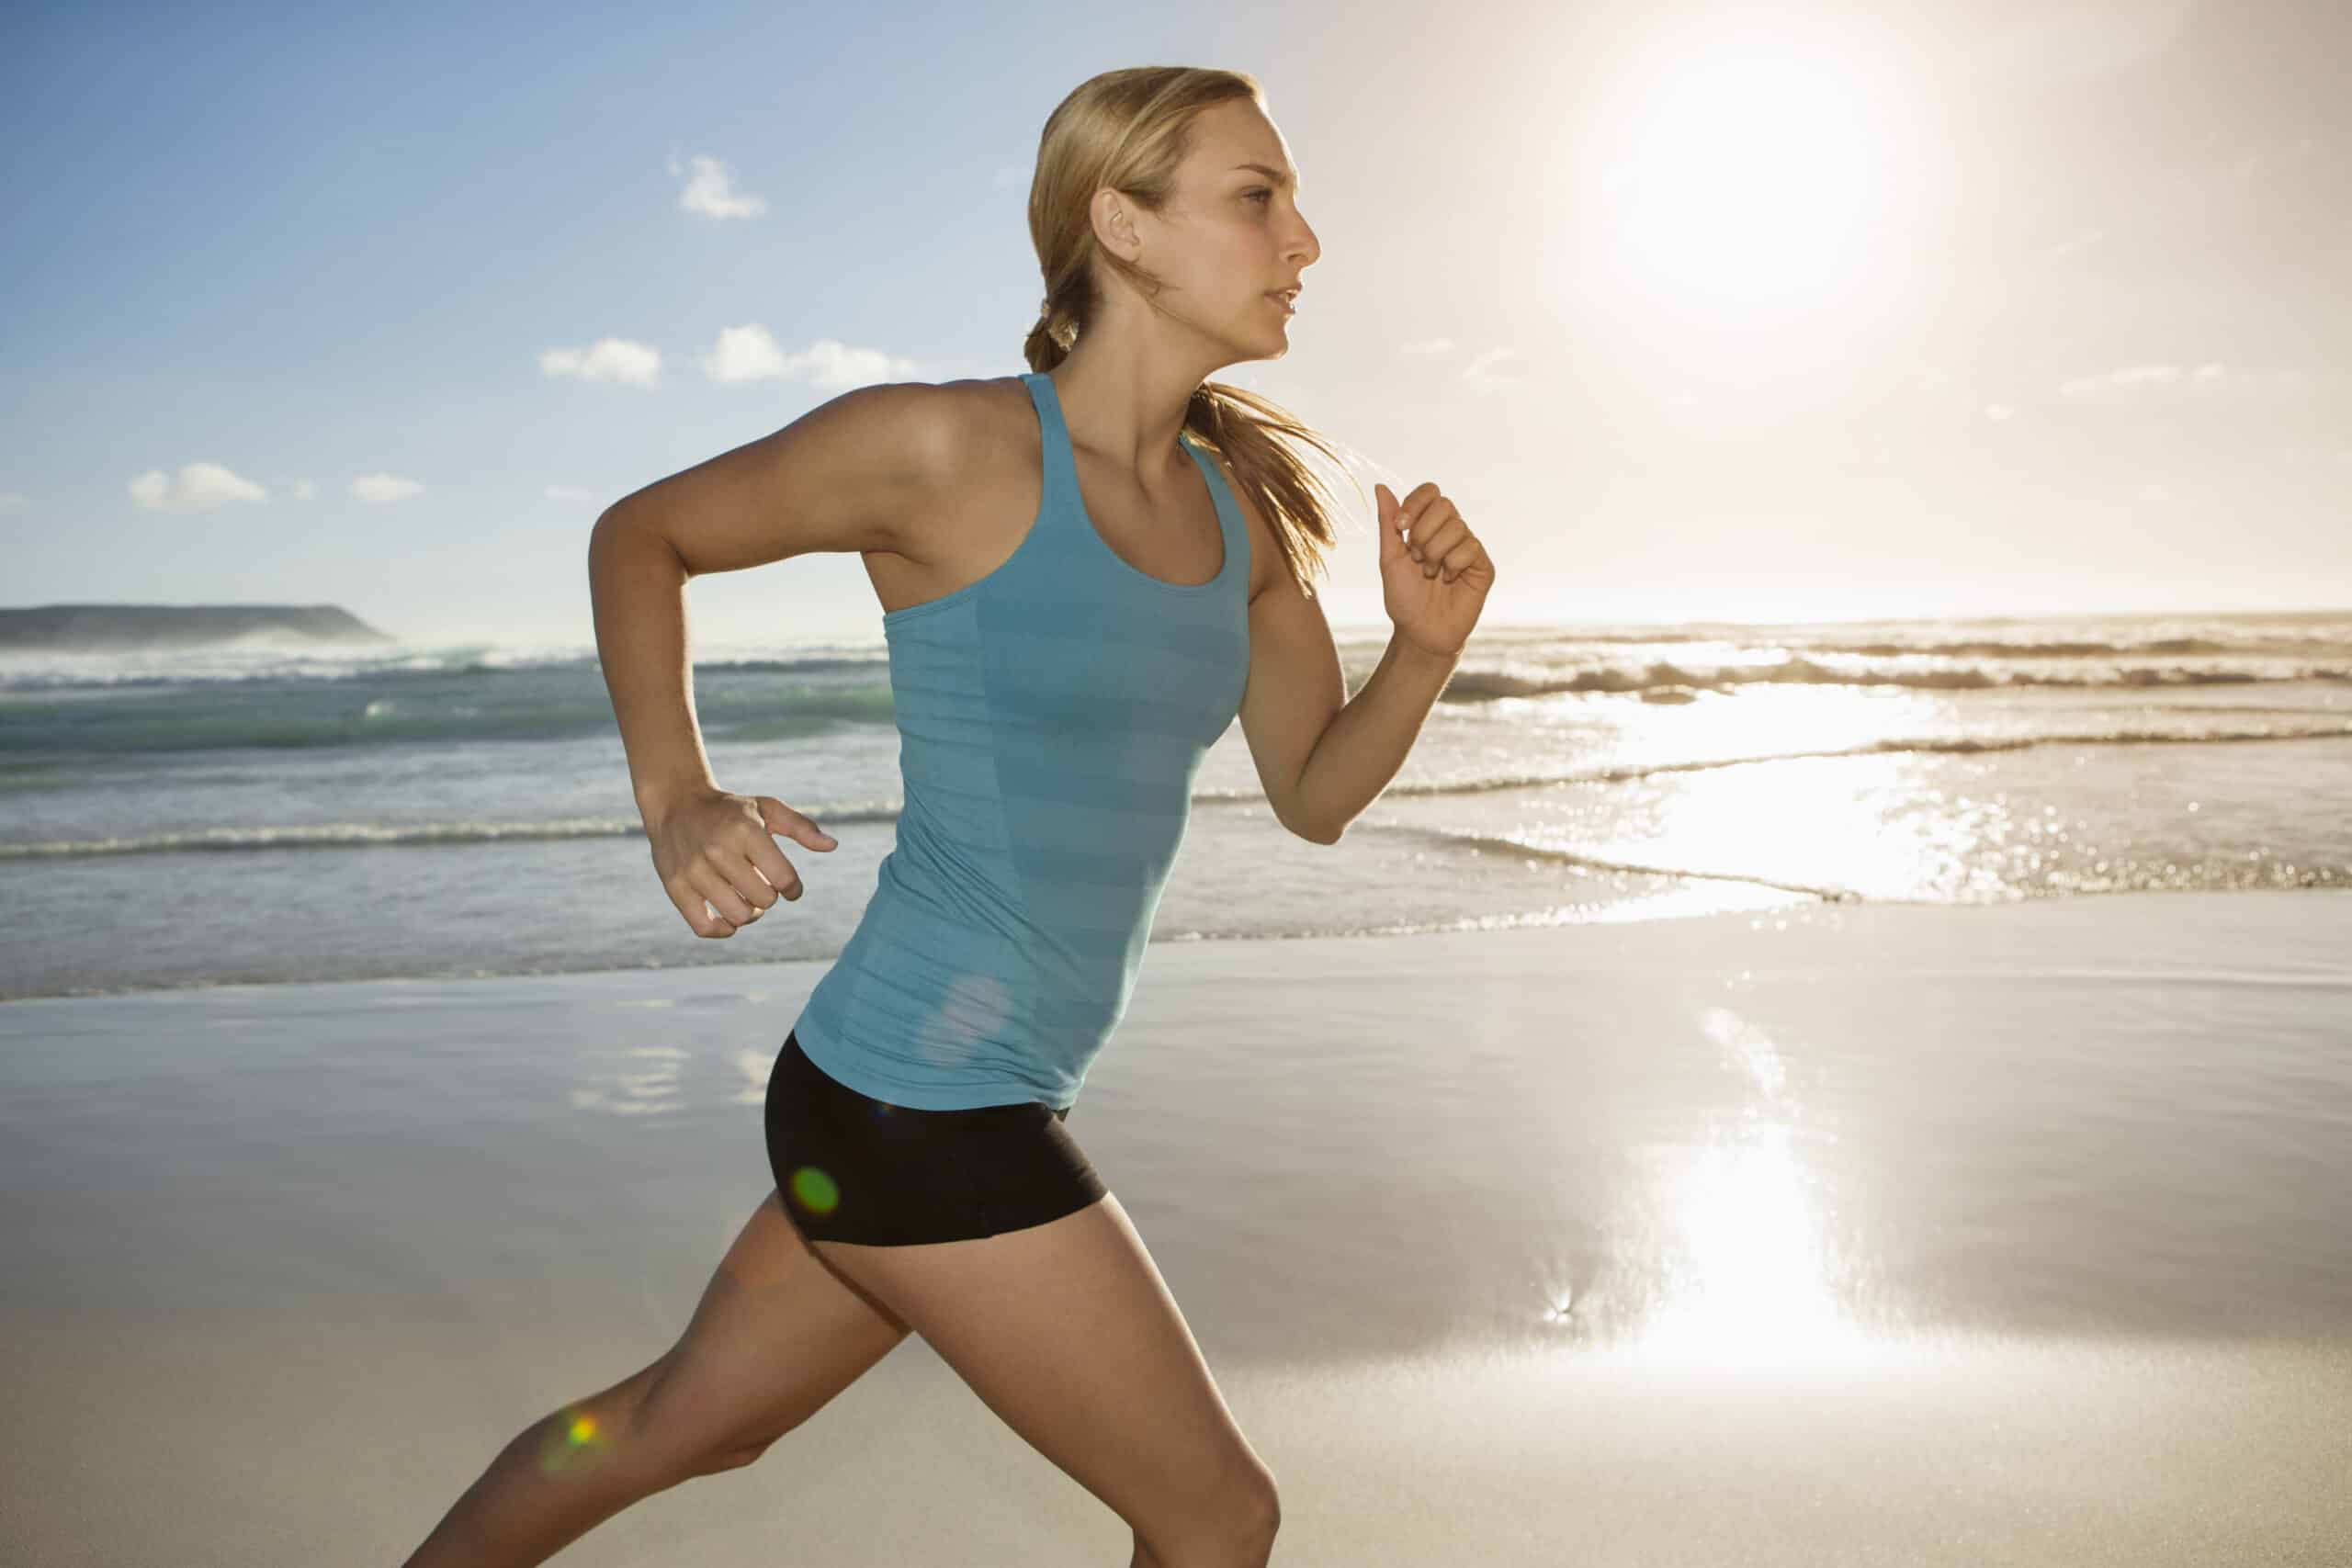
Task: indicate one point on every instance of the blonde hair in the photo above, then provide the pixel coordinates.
(1129, 129)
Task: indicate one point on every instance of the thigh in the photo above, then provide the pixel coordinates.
(775, 1334)
(1067, 1330)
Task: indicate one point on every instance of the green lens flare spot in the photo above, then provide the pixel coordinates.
(814, 1191)
(576, 1439)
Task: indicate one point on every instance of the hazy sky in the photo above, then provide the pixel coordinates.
(1697, 312)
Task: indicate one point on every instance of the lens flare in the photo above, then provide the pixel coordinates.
(574, 1438)
(814, 1191)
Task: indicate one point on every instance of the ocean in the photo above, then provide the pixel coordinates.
(264, 812)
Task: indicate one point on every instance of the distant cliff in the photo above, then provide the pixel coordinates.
(94, 626)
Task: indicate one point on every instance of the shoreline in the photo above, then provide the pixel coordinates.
(1793, 915)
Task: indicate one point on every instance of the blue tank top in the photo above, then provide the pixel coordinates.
(1052, 717)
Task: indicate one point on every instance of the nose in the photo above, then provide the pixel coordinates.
(1304, 248)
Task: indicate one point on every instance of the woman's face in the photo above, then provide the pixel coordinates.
(1234, 233)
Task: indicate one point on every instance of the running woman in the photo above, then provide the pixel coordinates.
(1086, 574)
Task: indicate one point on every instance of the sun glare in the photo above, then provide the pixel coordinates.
(1745, 179)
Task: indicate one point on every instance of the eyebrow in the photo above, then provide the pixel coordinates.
(1274, 175)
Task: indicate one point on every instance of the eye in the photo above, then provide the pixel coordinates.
(1261, 191)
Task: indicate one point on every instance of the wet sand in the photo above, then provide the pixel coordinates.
(1875, 1233)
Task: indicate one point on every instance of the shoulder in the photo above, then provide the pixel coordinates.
(965, 438)
(934, 427)
(983, 408)
(853, 473)
(975, 428)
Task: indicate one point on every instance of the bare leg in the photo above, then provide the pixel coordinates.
(549, 1486)
(775, 1335)
(1067, 1331)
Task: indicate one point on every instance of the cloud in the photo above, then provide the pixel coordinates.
(2141, 382)
(710, 193)
(750, 352)
(379, 489)
(747, 353)
(13, 501)
(1481, 373)
(199, 486)
(609, 359)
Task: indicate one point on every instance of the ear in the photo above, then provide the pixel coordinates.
(1114, 227)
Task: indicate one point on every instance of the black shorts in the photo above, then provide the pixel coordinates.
(853, 1168)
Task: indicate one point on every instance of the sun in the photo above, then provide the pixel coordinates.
(1745, 179)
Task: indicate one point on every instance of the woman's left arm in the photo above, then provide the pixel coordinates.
(1434, 577)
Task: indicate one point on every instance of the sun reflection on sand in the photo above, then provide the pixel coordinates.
(653, 1092)
(1748, 1283)
(1741, 1273)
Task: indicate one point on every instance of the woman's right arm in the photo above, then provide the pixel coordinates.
(855, 473)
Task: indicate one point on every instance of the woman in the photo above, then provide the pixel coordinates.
(1085, 573)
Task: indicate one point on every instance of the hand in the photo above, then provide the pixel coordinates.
(717, 847)
(1433, 571)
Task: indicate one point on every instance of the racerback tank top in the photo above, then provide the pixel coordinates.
(1052, 717)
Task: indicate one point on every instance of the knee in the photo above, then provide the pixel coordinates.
(732, 1459)
(1239, 1534)
(681, 1464)
(693, 1451)
(673, 1436)
(1254, 1514)
(1267, 1510)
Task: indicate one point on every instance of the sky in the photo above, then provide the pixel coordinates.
(1696, 311)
